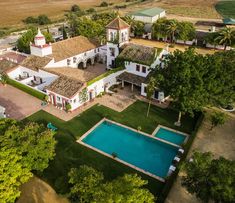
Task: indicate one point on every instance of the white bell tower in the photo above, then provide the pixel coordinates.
(117, 35)
(40, 47)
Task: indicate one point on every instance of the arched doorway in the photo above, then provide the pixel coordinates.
(88, 62)
(80, 65)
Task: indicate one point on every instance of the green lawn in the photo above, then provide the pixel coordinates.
(71, 154)
(226, 8)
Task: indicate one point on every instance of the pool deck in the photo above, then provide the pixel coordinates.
(134, 130)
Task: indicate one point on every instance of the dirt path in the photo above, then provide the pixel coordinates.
(38, 191)
(220, 141)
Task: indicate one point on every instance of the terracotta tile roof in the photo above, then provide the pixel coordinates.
(6, 65)
(117, 24)
(131, 78)
(35, 62)
(14, 57)
(138, 53)
(65, 86)
(71, 47)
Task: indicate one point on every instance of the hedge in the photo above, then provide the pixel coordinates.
(170, 181)
(26, 89)
(104, 75)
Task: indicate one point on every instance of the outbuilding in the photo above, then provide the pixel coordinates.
(150, 15)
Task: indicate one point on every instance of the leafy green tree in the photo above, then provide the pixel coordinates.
(150, 89)
(186, 31)
(159, 29)
(23, 43)
(48, 37)
(85, 181)
(89, 186)
(43, 20)
(30, 20)
(24, 147)
(226, 37)
(75, 8)
(65, 36)
(104, 4)
(217, 118)
(210, 179)
(182, 79)
(172, 28)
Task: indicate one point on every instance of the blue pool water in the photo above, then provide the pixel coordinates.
(170, 136)
(141, 151)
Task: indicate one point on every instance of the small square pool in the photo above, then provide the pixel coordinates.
(134, 149)
(170, 136)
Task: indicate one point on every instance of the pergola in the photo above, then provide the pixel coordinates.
(132, 79)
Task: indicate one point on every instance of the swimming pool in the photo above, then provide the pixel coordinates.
(139, 151)
(170, 136)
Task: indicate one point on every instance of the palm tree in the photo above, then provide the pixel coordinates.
(226, 37)
(151, 87)
(172, 28)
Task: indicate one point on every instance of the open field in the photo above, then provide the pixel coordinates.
(226, 8)
(193, 8)
(14, 11)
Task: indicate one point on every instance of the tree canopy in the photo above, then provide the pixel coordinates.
(89, 186)
(173, 29)
(23, 43)
(210, 179)
(195, 81)
(23, 148)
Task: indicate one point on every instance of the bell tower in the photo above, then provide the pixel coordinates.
(40, 47)
(117, 35)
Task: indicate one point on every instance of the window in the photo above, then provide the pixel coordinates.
(74, 101)
(138, 68)
(85, 54)
(143, 69)
(123, 37)
(68, 62)
(112, 51)
(145, 89)
(74, 59)
(58, 98)
(111, 36)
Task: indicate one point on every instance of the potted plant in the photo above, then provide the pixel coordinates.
(68, 107)
(3, 79)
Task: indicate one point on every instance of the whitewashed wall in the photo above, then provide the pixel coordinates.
(38, 51)
(161, 96)
(79, 58)
(148, 19)
(131, 68)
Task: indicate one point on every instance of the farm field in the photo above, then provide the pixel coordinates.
(14, 11)
(226, 8)
(194, 8)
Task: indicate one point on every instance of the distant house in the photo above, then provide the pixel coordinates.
(149, 15)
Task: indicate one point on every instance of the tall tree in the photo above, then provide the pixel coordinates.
(150, 89)
(210, 179)
(89, 186)
(172, 28)
(217, 118)
(65, 36)
(181, 78)
(23, 148)
(226, 37)
(186, 31)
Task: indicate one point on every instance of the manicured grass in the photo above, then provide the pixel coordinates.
(26, 89)
(226, 8)
(71, 154)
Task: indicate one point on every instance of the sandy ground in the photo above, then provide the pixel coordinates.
(38, 191)
(220, 141)
(163, 45)
(14, 11)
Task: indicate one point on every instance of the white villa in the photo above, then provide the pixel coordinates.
(124, 63)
